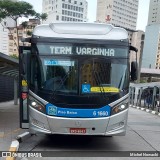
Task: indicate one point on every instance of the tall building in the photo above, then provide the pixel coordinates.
(151, 52)
(4, 40)
(65, 10)
(121, 13)
(154, 12)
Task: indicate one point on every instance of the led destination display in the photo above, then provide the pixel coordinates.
(97, 50)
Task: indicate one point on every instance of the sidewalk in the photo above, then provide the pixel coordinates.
(149, 110)
(9, 124)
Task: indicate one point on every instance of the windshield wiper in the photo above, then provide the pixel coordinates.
(61, 82)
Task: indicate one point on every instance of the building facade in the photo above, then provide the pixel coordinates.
(121, 13)
(154, 12)
(151, 52)
(137, 40)
(65, 10)
(22, 32)
(4, 40)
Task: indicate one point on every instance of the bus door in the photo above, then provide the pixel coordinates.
(24, 72)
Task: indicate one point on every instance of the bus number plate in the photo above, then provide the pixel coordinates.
(78, 130)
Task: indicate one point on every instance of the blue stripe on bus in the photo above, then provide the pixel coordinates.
(81, 113)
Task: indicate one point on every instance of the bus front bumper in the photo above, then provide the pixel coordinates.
(106, 126)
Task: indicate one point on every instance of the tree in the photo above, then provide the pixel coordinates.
(14, 56)
(42, 16)
(29, 33)
(24, 24)
(15, 10)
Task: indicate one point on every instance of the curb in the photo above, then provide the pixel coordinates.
(147, 110)
(15, 144)
(23, 136)
(13, 148)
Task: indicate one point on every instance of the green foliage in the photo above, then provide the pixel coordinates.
(29, 33)
(42, 16)
(143, 81)
(24, 24)
(15, 10)
(14, 56)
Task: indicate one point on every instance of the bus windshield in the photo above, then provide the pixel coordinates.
(60, 75)
(82, 74)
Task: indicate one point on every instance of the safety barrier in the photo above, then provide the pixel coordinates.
(145, 95)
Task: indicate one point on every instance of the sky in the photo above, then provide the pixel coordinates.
(92, 6)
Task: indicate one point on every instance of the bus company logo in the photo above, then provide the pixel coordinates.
(78, 123)
(52, 110)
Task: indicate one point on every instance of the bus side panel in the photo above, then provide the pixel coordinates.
(23, 85)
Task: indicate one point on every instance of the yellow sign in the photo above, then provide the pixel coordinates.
(24, 83)
(104, 89)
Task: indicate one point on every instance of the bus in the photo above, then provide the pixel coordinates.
(74, 79)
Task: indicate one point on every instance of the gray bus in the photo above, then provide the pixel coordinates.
(74, 79)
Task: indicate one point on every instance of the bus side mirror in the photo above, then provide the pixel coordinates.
(133, 49)
(134, 71)
(134, 65)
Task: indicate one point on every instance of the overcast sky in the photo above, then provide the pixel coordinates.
(142, 11)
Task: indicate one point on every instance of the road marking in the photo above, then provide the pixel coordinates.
(147, 110)
(153, 112)
(13, 148)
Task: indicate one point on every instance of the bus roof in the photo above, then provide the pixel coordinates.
(81, 31)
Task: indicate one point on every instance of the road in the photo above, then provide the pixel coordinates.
(143, 134)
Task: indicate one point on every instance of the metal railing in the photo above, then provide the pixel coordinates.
(145, 96)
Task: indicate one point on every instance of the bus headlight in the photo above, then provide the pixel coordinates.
(38, 106)
(119, 108)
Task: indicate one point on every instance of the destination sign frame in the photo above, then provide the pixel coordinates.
(86, 49)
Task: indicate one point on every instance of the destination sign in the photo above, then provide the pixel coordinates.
(85, 49)
(82, 51)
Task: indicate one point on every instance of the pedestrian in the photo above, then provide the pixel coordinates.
(157, 103)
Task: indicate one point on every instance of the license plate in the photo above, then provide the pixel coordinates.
(78, 130)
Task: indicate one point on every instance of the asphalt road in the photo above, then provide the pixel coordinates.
(143, 134)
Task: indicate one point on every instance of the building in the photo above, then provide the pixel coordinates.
(151, 52)
(22, 32)
(121, 13)
(154, 12)
(137, 40)
(65, 10)
(4, 41)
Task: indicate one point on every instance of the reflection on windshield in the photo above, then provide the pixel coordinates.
(108, 76)
(95, 76)
(60, 75)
